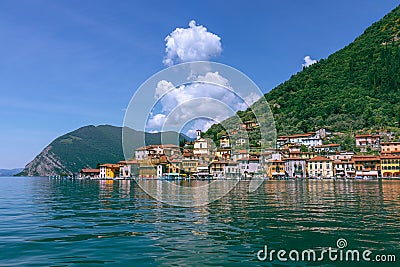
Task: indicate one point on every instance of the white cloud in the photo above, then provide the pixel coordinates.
(202, 125)
(162, 87)
(308, 61)
(190, 44)
(214, 77)
(210, 95)
(156, 121)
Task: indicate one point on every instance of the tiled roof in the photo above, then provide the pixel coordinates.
(319, 158)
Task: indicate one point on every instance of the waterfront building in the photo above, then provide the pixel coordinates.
(249, 166)
(189, 165)
(295, 167)
(203, 170)
(320, 167)
(89, 173)
(232, 169)
(217, 168)
(390, 165)
(275, 169)
(367, 166)
(343, 168)
(175, 166)
(109, 170)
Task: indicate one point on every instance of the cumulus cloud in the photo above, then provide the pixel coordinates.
(190, 44)
(156, 121)
(200, 124)
(211, 95)
(308, 61)
(163, 86)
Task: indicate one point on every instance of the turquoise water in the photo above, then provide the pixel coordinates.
(96, 223)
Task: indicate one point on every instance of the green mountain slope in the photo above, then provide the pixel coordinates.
(357, 87)
(88, 146)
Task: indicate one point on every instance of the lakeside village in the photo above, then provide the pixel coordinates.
(295, 156)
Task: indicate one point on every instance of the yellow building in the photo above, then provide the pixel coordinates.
(390, 165)
(275, 168)
(320, 167)
(190, 165)
(109, 170)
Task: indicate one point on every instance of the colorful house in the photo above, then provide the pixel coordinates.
(320, 167)
(390, 148)
(365, 141)
(367, 166)
(109, 170)
(390, 165)
(295, 167)
(275, 169)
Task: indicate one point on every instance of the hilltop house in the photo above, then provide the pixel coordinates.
(310, 139)
(365, 141)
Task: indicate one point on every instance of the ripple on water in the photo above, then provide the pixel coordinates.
(77, 223)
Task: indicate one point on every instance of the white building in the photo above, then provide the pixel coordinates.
(201, 147)
(296, 167)
(311, 139)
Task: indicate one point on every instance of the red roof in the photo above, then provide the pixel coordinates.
(366, 135)
(328, 145)
(319, 158)
(109, 165)
(390, 156)
(366, 158)
(90, 170)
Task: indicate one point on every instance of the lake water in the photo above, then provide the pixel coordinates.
(114, 223)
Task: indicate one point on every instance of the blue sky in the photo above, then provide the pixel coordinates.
(67, 64)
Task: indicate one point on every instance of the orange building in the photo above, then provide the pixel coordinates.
(275, 168)
(390, 148)
(367, 166)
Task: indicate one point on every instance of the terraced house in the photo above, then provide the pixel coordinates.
(320, 167)
(390, 165)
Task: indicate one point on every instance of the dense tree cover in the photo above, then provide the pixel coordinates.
(91, 145)
(355, 88)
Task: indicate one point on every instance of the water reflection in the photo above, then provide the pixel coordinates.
(85, 222)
